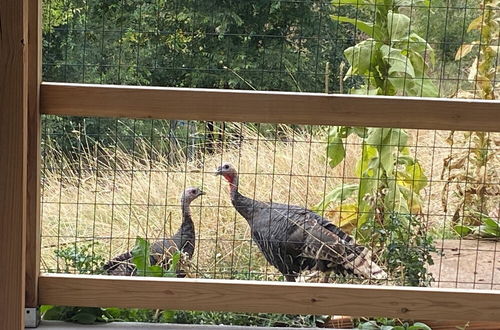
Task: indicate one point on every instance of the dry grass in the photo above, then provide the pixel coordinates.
(141, 197)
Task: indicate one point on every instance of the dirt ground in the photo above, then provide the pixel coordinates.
(468, 264)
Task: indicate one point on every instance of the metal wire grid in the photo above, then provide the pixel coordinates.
(107, 181)
(266, 45)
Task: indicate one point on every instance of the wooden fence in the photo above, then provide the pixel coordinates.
(23, 98)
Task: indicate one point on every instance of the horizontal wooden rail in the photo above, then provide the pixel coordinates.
(271, 107)
(271, 297)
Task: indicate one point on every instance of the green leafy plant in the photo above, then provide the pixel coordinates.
(250, 319)
(84, 261)
(393, 60)
(390, 179)
(141, 259)
(80, 259)
(489, 228)
(82, 315)
(390, 324)
(408, 250)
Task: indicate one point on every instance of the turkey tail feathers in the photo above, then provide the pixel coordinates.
(363, 266)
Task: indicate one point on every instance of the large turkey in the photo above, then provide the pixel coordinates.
(294, 239)
(183, 240)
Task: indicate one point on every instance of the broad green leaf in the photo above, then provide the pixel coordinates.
(376, 136)
(414, 200)
(368, 28)
(337, 195)
(140, 256)
(397, 138)
(361, 56)
(462, 230)
(174, 264)
(395, 201)
(491, 226)
(365, 213)
(419, 326)
(367, 154)
(398, 25)
(387, 160)
(418, 64)
(417, 175)
(366, 186)
(413, 42)
(424, 87)
(44, 308)
(416, 44)
(401, 84)
(335, 151)
(344, 215)
(54, 313)
(155, 271)
(491, 232)
(398, 63)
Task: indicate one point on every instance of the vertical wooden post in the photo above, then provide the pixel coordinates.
(33, 184)
(13, 159)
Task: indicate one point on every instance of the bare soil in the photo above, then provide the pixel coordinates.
(467, 264)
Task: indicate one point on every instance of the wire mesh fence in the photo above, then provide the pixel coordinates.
(123, 196)
(424, 218)
(413, 48)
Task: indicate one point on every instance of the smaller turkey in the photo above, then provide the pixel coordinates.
(161, 250)
(294, 239)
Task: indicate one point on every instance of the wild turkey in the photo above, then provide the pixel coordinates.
(183, 240)
(294, 239)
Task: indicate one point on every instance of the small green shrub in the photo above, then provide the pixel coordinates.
(391, 324)
(489, 228)
(83, 260)
(407, 250)
(246, 319)
(79, 259)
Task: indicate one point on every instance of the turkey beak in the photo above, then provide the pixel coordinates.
(218, 171)
(202, 193)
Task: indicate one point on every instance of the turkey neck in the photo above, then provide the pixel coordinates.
(233, 186)
(242, 204)
(187, 223)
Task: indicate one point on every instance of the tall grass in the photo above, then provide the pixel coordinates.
(110, 196)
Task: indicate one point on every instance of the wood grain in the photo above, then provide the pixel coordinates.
(275, 297)
(13, 139)
(33, 179)
(270, 107)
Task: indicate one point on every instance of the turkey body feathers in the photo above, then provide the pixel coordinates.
(294, 239)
